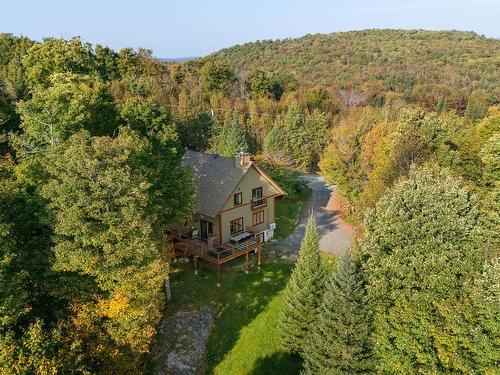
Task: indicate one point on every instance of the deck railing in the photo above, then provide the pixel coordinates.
(217, 254)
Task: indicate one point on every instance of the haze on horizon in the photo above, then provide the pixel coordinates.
(197, 28)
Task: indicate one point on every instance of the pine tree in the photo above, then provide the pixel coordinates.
(339, 341)
(303, 292)
(231, 139)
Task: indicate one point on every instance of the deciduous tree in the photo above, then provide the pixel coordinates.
(217, 76)
(70, 103)
(109, 199)
(421, 246)
(57, 56)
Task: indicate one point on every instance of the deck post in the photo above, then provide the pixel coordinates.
(167, 289)
(246, 263)
(195, 259)
(259, 249)
(218, 275)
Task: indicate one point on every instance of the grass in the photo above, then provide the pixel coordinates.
(244, 339)
(257, 349)
(288, 211)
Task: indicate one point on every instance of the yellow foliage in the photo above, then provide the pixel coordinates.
(114, 306)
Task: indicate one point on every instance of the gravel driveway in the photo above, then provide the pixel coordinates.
(335, 234)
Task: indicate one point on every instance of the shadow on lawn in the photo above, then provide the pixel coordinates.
(241, 298)
(277, 364)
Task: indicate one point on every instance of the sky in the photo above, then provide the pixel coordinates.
(198, 27)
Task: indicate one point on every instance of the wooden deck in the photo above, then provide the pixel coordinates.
(184, 246)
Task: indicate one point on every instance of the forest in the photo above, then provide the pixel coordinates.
(405, 122)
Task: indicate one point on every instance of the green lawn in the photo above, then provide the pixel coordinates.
(288, 211)
(244, 339)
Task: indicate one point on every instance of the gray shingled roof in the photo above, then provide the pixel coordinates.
(215, 177)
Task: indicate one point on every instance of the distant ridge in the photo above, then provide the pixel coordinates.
(176, 59)
(396, 59)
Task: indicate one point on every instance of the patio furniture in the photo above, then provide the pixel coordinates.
(240, 245)
(240, 237)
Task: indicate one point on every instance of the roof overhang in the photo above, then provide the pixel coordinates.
(268, 178)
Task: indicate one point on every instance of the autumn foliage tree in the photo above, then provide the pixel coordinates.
(83, 118)
(108, 209)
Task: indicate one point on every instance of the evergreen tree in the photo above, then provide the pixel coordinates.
(231, 139)
(339, 341)
(275, 149)
(303, 292)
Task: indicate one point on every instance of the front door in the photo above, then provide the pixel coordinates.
(207, 229)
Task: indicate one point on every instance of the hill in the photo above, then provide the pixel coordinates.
(396, 60)
(176, 59)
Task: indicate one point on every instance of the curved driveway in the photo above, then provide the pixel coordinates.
(335, 235)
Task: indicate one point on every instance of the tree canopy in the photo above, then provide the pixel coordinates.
(90, 146)
(422, 245)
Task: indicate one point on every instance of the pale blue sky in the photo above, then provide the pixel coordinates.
(198, 27)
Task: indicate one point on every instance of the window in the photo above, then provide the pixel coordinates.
(236, 225)
(238, 199)
(258, 217)
(257, 199)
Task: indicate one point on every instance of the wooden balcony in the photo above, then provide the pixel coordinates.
(185, 246)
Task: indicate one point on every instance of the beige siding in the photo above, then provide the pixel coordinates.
(195, 223)
(229, 212)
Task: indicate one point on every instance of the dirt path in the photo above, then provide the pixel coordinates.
(335, 235)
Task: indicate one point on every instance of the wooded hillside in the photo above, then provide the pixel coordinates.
(414, 63)
(90, 172)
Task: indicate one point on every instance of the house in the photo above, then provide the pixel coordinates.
(234, 195)
(234, 214)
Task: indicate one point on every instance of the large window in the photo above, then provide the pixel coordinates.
(238, 199)
(258, 217)
(257, 199)
(236, 225)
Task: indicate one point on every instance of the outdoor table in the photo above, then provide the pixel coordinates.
(240, 237)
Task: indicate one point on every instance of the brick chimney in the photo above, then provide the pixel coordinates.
(242, 159)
